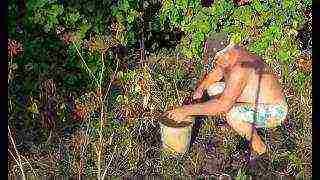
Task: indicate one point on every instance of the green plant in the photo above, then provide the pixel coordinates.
(268, 28)
(44, 13)
(241, 175)
(75, 42)
(127, 15)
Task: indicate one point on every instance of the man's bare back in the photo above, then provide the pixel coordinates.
(270, 91)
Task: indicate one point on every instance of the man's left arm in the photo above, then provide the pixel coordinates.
(234, 87)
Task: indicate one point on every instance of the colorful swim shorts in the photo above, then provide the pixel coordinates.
(267, 116)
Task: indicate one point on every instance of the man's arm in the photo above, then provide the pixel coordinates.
(234, 87)
(213, 77)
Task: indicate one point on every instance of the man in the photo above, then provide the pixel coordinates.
(249, 87)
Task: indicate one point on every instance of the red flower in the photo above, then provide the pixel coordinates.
(67, 38)
(80, 113)
(14, 48)
(241, 2)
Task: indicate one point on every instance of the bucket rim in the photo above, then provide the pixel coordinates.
(174, 124)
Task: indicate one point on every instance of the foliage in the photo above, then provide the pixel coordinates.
(127, 16)
(45, 13)
(267, 28)
(72, 52)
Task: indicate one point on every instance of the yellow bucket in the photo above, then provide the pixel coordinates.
(175, 136)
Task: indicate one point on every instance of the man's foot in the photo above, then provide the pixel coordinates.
(258, 146)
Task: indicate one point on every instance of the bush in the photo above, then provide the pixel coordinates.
(267, 28)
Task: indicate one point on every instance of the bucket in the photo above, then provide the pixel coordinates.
(175, 136)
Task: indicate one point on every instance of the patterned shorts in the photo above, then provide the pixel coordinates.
(267, 116)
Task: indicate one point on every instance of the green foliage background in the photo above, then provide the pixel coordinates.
(266, 28)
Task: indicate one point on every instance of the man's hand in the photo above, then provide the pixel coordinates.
(179, 115)
(211, 78)
(198, 93)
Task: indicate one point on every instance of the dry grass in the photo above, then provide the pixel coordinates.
(106, 145)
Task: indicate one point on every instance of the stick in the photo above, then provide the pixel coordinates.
(19, 158)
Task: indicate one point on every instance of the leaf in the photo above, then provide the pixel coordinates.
(307, 3)
(72, 18)
(241, 175)
(132, 16)
(182, 3)
(288, 4)
(257, 6)
(175, 15)
(237, 37)
(283, 55)
(33, 108)
(55, 10)
(155, 24)
(83, 30)
(124, 5)
(70, 79)
(35, 4)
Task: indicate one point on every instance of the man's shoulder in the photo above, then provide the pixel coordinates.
(256, 65)
(242, 65)
(250, 63)
(239, 70)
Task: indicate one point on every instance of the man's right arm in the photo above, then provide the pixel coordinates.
(213, 77)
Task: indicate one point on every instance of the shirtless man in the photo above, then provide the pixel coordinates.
(242, 96)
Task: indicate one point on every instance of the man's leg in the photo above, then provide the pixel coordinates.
(235, 119)
(277, 114)
(247, 130)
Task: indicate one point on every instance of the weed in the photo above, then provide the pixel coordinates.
(98, 77)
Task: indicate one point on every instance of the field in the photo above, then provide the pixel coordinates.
(88, 81)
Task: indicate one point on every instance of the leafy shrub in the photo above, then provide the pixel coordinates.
(63, 39)
(267, 28)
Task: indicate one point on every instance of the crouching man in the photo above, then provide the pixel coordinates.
(252, 97)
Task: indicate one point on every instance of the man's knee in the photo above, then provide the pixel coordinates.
(279, 115)
(242, 127)
(274, 122)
